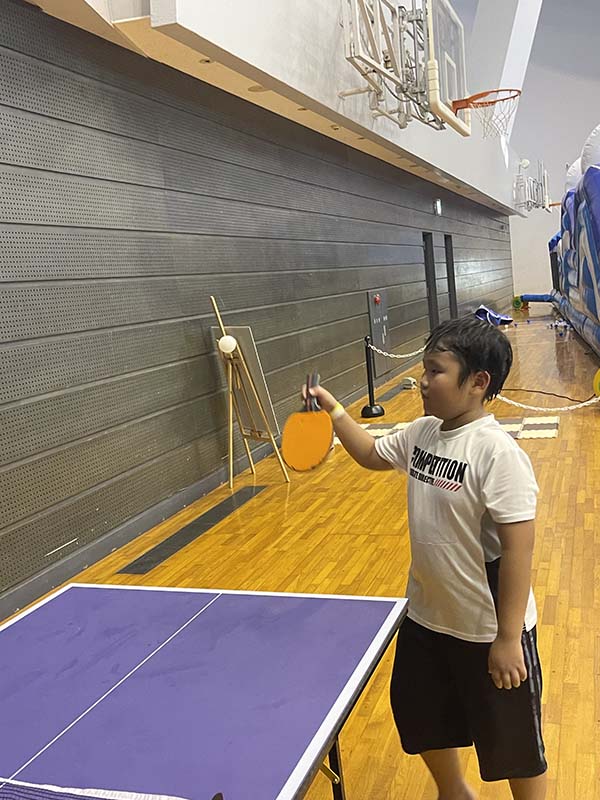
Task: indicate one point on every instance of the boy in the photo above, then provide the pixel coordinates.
(466, 669)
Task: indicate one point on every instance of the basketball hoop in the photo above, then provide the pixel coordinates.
(495, 109)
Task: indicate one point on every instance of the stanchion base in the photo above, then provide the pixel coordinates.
(372, 411)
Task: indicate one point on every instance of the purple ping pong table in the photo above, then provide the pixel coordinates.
(140, 693)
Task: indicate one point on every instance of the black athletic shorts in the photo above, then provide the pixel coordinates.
(443, 696)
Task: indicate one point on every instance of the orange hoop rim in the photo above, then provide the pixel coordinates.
(485, 99)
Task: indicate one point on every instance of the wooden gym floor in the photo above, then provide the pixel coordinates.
(341, 529)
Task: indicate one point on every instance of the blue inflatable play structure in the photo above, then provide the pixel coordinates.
(575, 258)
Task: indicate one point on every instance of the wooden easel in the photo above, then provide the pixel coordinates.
(259, 429)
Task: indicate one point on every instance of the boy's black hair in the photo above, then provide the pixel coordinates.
(478, 346)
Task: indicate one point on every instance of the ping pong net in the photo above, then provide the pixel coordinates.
(17, 790)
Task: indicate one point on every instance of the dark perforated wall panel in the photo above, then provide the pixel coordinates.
(129, 194)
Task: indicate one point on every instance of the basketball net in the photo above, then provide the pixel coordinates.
(495, 109)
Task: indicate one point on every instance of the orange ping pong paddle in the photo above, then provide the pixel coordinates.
(308, 434)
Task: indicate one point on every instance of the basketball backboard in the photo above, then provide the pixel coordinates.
(448, 45)
(411, 57)
(531, 191)
(447, 71)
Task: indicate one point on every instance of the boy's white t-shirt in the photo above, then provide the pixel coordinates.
(460, 483)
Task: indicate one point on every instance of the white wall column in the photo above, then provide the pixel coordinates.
(501, 42)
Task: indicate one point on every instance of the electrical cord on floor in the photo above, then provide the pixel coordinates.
(551, 394)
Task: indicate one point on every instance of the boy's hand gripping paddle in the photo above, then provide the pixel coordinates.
(308, 434)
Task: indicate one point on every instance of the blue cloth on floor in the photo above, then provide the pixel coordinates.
(487, 315)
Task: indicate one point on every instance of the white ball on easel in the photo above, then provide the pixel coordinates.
(227, 344)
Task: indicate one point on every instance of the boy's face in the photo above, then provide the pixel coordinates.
(443, 395)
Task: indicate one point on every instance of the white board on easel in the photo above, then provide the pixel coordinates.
(248, 396)
(249, 413)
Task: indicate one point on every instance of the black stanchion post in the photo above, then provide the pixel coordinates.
(373, 409)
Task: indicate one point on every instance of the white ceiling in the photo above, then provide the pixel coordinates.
(566, 38)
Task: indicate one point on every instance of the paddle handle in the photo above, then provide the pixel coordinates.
(311, 403)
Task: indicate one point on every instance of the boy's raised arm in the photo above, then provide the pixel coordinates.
(356, 441)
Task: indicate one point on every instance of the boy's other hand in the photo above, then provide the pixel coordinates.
(506, 664)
